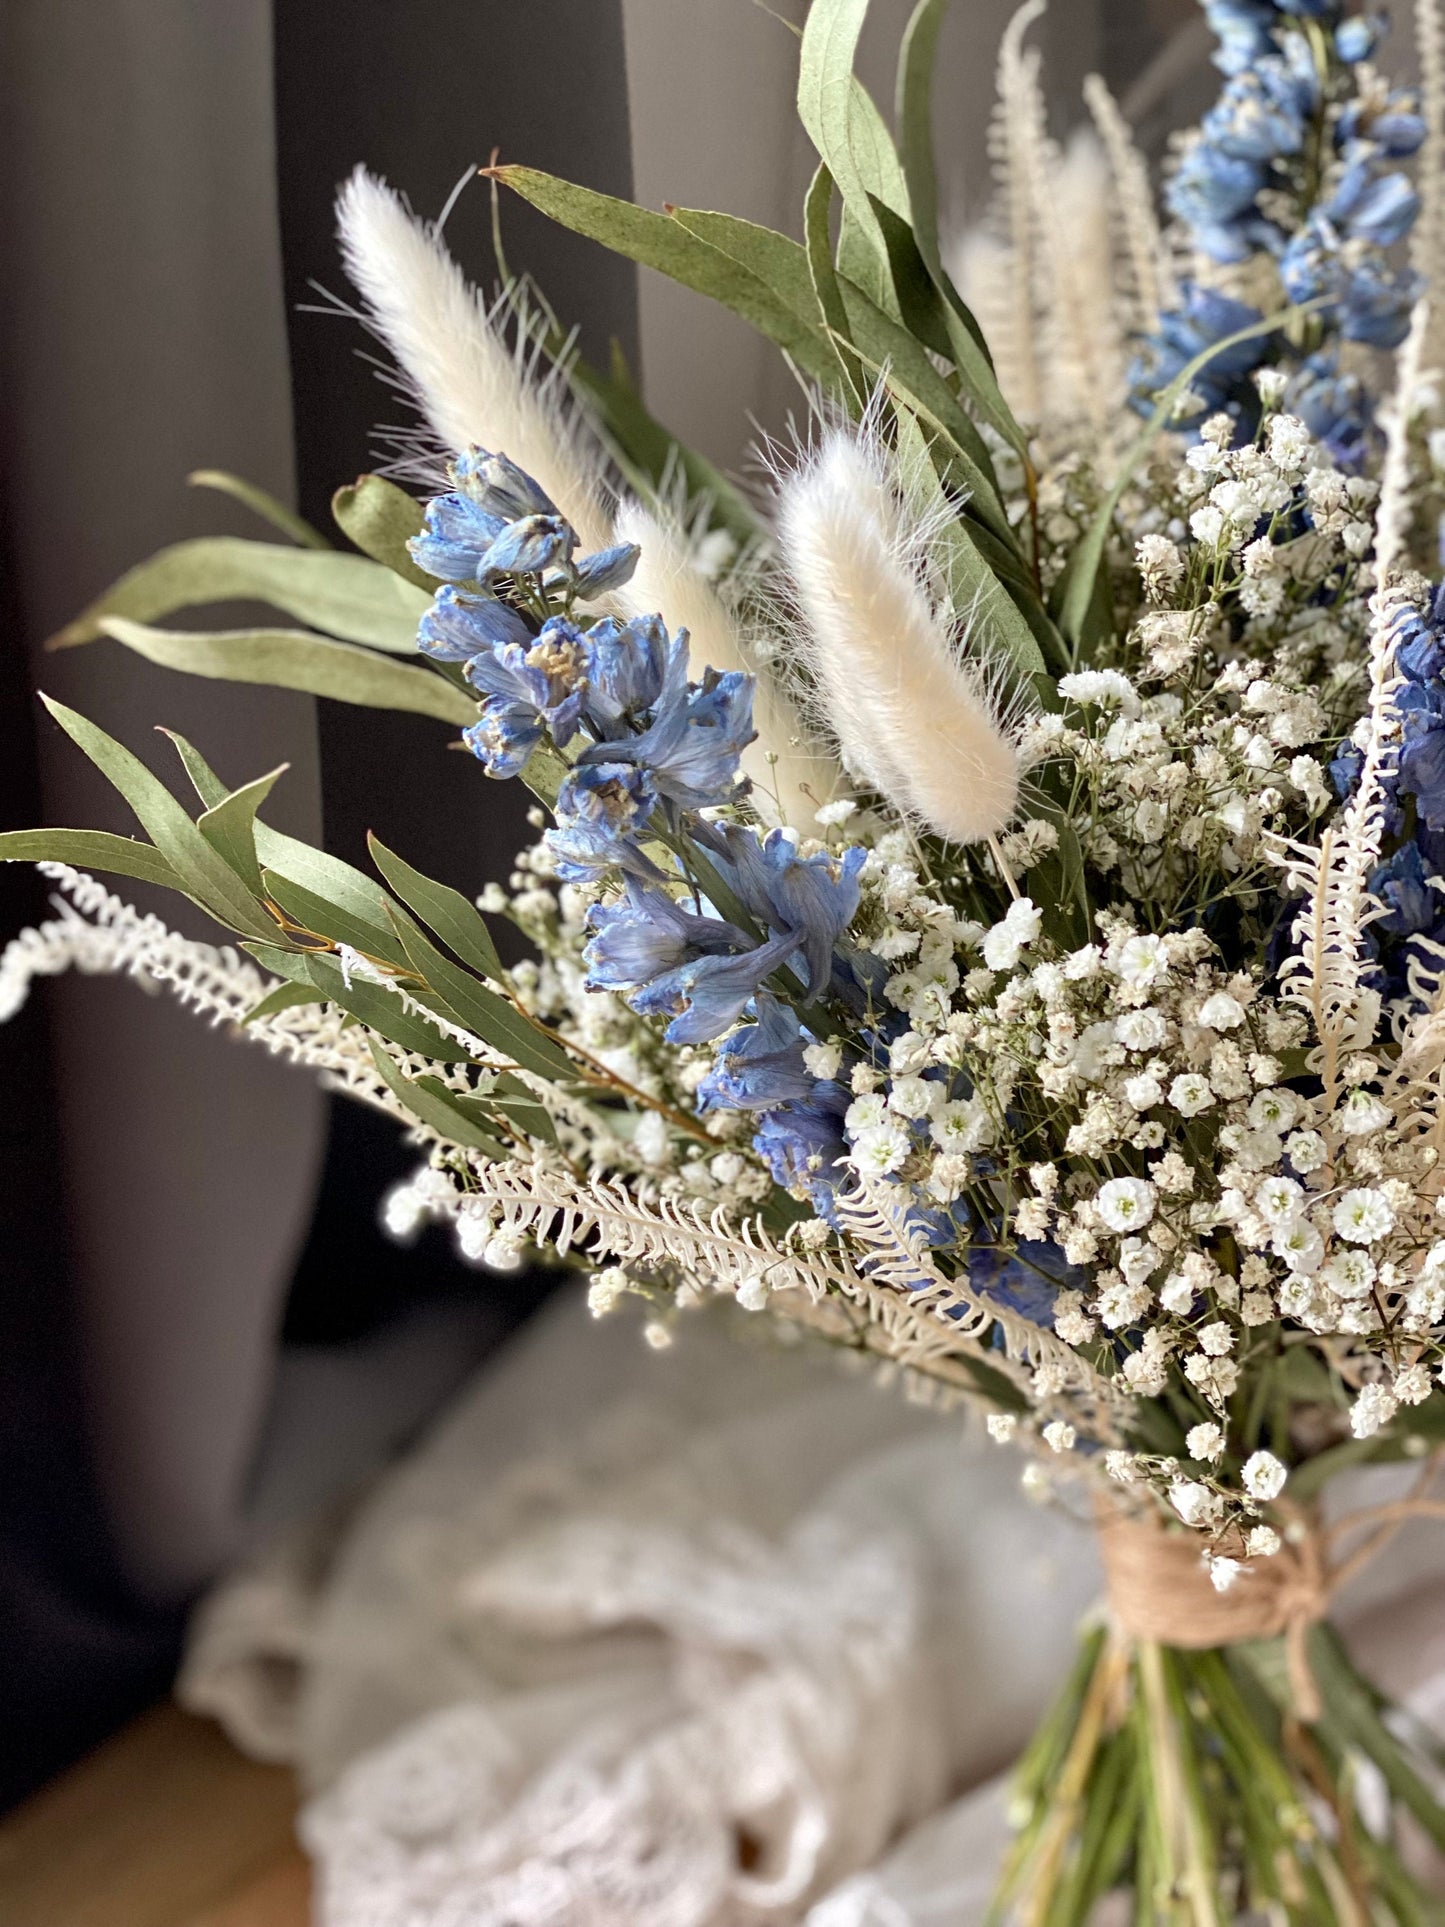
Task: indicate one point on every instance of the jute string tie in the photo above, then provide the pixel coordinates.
(1160, 1589)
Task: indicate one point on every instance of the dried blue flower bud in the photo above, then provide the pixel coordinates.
(529, 546)
(607, 569)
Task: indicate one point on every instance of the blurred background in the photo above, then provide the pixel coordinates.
(203, 1332)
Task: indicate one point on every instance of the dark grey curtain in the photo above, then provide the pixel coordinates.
(160, 219)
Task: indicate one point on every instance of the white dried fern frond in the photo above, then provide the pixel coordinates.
(1427, 237)
(1041, 272)
(1394, 517)
(1151, 288)
(915, 716)
(469, 382)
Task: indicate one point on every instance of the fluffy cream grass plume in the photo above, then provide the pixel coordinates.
(470, 384)
(911, 716)
(792, 772)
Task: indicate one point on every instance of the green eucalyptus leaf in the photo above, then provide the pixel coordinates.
(230, 828)
(344, 595)
(292, 659)
(841, 119)
(261, 503)
(381, 519)
(381, 1010)
(824, 282)
(91, 850)
(979, 599)
(482, 1011)
(433, 1105)
(662, 242)
(523, 1108)
(351, 891)
(455, 919)
(317, 914)
(203, 874)
(286, 996)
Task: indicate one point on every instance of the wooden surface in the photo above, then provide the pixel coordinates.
(166, 1825)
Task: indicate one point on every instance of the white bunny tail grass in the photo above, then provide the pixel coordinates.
(471, 385)
(793, 774)
(912, 715)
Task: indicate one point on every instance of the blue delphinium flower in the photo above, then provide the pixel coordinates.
(1248, 184)
(1205, 318)
(696, 735)
(601, 810)
(1334, 405)
(458, 626)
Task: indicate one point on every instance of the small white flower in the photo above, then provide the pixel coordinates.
(403, 1212)
(1003, 944)
(1140, 1029)
(1195, 1503)
(1273, 1110)
(1224, 1571)
(1362, 1114)
(1263, 1542)
(1306, 1151)
(1216, 1339)
(1264, 1476)
(1190, 1094)
(1364, 1215)
(1300, 1245)
(836, 812)
(606, 1289)
(1372, 1410)
(881, 1149)
(1412, 1385)
(864, 1112)
(823, 1060)
(1279, 1201)
(1350, 1273)
(1142, 961)
(914, 1097)
(1143, 1092)
(1102, 687)
(657, 1335)
(1221, 1012)
(753, 1294)
(1125, 1204)
(1002, 1426)
(1059, 1437)
(1176, 1294)
(1204, 1442)
(1121, 1466)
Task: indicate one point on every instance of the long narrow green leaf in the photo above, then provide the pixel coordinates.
(292, 659)
(823, 277)
(977, 595)
(326, 876)
(203, 874)
(658, 241)
(323, 918)
(381, 519)
(851, 140)
(286, 996)
(380, 1010)
(430, 1102)
(480, 1010)
(914, 119)
(230, 828)
(344, 595)
(454, 918)
(260, 502)
(120, 856)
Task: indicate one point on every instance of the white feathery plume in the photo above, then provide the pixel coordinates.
(1084, 365)
(1394, 517)
(1018, 142)
(471, 385)
(792, 772)
(1151, 277)
(913, 717)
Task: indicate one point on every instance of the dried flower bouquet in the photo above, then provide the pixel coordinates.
(991, 909)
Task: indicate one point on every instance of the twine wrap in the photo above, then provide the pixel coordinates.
(1160, 1591)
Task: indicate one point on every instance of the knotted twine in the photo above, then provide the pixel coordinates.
(1160, 1589)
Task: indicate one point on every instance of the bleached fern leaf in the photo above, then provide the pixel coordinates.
(1151, 287)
